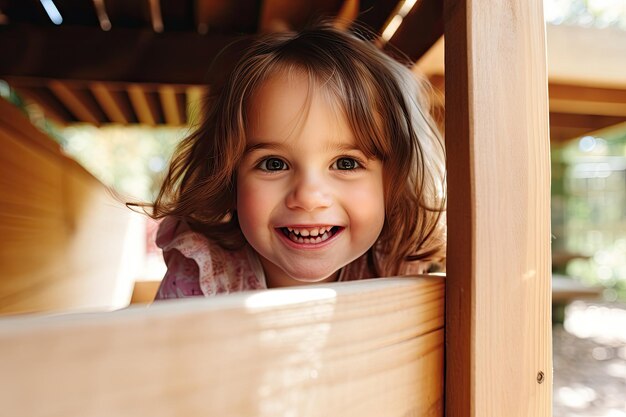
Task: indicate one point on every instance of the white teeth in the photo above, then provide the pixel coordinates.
(314, 232)
(309, 240)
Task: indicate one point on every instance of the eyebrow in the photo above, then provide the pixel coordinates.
(263, 145)
(279, 146)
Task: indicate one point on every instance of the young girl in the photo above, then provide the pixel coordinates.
(317, 161)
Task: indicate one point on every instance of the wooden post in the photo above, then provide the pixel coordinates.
(498, 327)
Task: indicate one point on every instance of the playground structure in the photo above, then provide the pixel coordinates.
(392, 347)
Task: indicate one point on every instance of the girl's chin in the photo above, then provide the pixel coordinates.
(289, 280)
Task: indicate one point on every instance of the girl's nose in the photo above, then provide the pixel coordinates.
(309, 193)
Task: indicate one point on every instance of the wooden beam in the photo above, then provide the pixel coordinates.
(145, 107)
(76, 102)
(282, 15)
(347, 14)
(120, 55)
(608, 131)
(587, 100)
(587, 108)
(587, 56)
(366, 348)
(103, 17)
(156, 17)
(419, 30)
(169, 103)
(498, 298)
(50, 106)
(583, 121)
(111, 104)
(571, 92)
(196, 96)
(226, 16)
(210, 11)
(564, 134)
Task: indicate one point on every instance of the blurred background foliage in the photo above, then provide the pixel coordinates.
(589, 13)
(589, 209)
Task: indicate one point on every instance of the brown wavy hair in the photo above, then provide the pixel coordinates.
(386, 106)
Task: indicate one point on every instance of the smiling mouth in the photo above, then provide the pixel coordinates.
(310, 236)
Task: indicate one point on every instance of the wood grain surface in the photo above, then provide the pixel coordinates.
(64, 236)
(498, 324)
(365, 348)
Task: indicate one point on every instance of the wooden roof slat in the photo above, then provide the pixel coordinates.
(111, 104)
(227, 16)
(196, 96)
(587, 107)
(564, 134)
(129, 14)
(583, 121)
(373, 15)
(585, 93)
(347, 14)
(75, 101)
(279, 15)
(120, 55)
(209, 11)
(156, 18)
(171, 111)
(101, 13)
(51, 108)
(143, 105)
(419, 31)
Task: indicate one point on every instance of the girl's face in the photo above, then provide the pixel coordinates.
(308, 201)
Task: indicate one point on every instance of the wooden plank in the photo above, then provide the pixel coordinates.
(279, 15)
(367, 348)
(282, 15)
(111, 104)
(347, 14)
(419, 30)
(75, 101)
(122, 55)
(579, 99)
(227, 16)
(156, 17)
(144, 292)
(588, 107)
(144, 107)
(583, 121)
(195, 98)
(564, 134)
(602, 50)
(103, 17)
(51, 210)
(171, 111)
(570, 92)
(498, 325)
(50, 105)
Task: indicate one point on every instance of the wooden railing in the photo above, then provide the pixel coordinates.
(366, 348)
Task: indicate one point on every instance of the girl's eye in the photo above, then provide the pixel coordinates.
(272, 164)
(346, 164)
